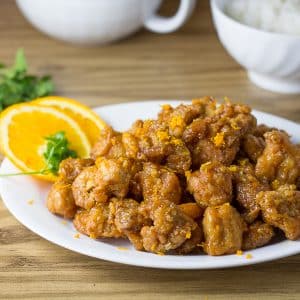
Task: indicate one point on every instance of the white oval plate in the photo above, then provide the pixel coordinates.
(18, 191)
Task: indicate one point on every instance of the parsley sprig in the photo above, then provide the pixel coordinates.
(16, 85)
(56, 150)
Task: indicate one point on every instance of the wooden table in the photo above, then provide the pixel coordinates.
(182, 65)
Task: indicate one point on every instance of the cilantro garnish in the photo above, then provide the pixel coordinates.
(17, 86)
(57, 149)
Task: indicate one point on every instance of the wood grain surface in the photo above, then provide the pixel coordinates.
(182, 65)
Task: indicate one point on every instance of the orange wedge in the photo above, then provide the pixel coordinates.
(89, 121)
(23, 128)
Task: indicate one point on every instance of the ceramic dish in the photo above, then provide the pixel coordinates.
(25, 198)
(271, 59)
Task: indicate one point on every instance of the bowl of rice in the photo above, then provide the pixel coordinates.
(263, 37)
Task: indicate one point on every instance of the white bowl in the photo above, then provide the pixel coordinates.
(271, 59)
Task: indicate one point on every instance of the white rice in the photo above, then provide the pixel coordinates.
(281, 16)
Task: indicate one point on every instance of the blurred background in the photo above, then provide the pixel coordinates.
(185, 64)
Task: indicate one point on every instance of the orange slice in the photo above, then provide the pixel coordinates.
(23, 128)
(89, 121)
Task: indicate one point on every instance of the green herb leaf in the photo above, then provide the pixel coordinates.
(17, 86)
(57, 149)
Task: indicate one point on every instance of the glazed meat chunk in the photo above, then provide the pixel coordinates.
(160, 184)
(86, 188)
(257, 235)
(223, 230)
(108, 137)
(253, 146)
(130, 220)
(108, 178)
(224, 130)
(70, 168)
(98, 222)
(60, 200)
(281, 208)
(156, 145)
(113, 144)
(193, 242)
(279, 160)
(211, 185)
(247, 186)
(171, 228)
(191, 209)
(177, 119)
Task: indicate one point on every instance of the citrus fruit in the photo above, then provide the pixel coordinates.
(89, 121)
(23, 129)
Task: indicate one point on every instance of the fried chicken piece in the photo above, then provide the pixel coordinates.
(253, 146)
(180, 117)
(195, 131)
(280, 159)
(130, 220)
(224, 130)
(223, 230)
(60, 200)
(205, 151)
(110, 177)
(107, 138)
(113, 144)
(99, 221)
(211, 185)
(281, 208)
(247, 186)
(191, 209)
(257, 235)
(171, 228)
(70, 168)
(158, 183)
(87, 189)
(192, 243)
(157, 145)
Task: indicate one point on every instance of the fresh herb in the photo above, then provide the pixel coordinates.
(17, 86)
(56, 150)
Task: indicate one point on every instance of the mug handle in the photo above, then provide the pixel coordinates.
(160, 24)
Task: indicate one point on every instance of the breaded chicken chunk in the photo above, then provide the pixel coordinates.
(257, 235)
(280, 159)
(211, 185)
(223, 132)
(60, 199)
(108, 178)
(170, 229)
(281, 208)
(99, 221)
(70, 168)
(247, 186)
(223, 230)
(159, 183)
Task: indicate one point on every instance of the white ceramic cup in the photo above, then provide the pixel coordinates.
(100, 21)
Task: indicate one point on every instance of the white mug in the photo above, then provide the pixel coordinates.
(100, 21)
